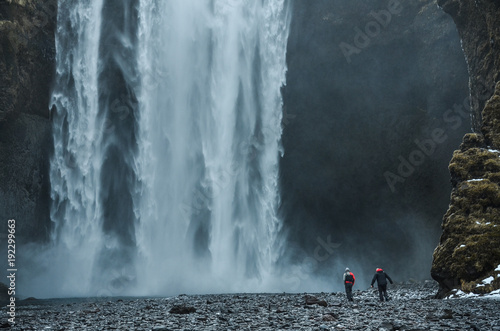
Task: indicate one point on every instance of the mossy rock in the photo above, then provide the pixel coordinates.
(472, 140)
(464, 258)
(475, 163)
(491, 119)
(474, 257)
(469, 248)
(476, 198)
(484, 284)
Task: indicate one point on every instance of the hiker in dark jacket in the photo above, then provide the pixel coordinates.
(349, 280)
(381, 277)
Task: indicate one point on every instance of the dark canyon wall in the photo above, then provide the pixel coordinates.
(27, 55)
(375, 103)
(469, 249)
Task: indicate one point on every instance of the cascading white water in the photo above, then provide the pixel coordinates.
(75, 166)
(167, 129)
(210, 131)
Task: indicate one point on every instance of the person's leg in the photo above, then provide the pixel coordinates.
(348, 291)
(385, 293)
(380, 293)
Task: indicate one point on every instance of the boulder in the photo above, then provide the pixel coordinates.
(4, 296)
(181, 309)
(311, 300)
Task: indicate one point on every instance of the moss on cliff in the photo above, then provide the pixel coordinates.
(470, 243)
(469, 249)
(491, 119)
(483, 285)
(475, 163)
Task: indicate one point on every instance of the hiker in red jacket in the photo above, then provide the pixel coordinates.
(381, 277)
(349, 280)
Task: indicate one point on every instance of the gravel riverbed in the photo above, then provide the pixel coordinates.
(411, 308)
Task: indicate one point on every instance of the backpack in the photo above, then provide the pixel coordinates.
(349, 277)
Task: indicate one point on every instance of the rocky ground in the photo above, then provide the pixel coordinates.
(411, 308)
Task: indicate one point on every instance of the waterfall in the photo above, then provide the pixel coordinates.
(167, 126)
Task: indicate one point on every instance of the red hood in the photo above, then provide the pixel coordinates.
(379, 270)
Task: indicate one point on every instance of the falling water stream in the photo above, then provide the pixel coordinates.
(167, 127)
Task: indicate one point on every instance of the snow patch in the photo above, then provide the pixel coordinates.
(475, 180)
(498, 268)
(462, 294)
(488, 280)
(487, 223)
(459, 294)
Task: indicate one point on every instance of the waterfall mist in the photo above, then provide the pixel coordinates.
(167, 128)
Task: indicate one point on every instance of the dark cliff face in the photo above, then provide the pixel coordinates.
(469, 249)
(373, 110)
(26, 69)
(477, 23)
